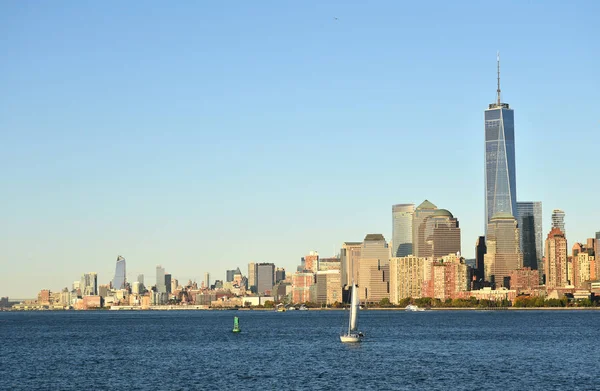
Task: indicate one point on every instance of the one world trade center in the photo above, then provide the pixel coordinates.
(500, 186)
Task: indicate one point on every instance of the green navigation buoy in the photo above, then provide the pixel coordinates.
(236, 325)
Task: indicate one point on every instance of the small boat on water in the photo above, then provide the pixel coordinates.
(236, 325)
(303, 308)
(353, 335)
(413, 308)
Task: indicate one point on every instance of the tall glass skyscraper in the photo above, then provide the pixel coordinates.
(120, 280)
(529, 217)
(558, 220)
(500, 181)
(402, 216)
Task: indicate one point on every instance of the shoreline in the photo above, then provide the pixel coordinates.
(195, 308)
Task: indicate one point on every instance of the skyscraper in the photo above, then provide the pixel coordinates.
(89, 284)
(374, 269)
(442, 235)
(529, 217)
(160, 280)
(558, 220)
(207, 280)
(168, 285)
(402, 216)
(419, 241)
(265, 277)
(556, 259)
(480, 251)
(120, 279)
(500, 172)
(252, 277)
(503, 251)
(350, 262)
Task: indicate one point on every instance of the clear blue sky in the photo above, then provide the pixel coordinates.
(202, 136)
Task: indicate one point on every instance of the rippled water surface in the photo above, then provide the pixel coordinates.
(179, 350)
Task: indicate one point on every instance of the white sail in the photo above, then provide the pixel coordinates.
(354, 309)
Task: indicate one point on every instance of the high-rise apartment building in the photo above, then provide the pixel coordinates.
(373, 282)
(402, 218)
(500, 171)
(529, 218)
(420, 216)
(558, 220)
(160, 279)
(265, 277)
(503, 250)
(446, 278)
(120, 279)
(406, 277)
(302, 283)
(556, 259)
(350, 262)
(207, 280)
(311, 261)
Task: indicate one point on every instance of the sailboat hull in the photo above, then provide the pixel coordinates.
(350, 338)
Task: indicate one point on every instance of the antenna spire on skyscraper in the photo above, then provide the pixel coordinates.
(498, 90)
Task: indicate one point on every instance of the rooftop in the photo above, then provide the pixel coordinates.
(426, 205)
(374, 237)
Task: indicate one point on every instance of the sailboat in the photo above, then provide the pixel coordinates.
(353, 335)
(236, 325)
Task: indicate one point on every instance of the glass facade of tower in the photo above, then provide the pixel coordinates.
(500, 181)
(120, 280)
(529, 217)
(558, 220)
(402, 216)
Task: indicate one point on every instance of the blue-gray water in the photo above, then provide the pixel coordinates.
(177, 350)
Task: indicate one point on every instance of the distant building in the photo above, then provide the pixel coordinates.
(279, 275)
(446, 278)
(232, 273)
(525, 279)
(500, 169)
(120, 279)
(419, 242)
(558, 220)
(556, 259)
(44, 297)
(160, 280)
(252, 277)
(207, 280)
(89, 284)
(349, 262)
(583, 265)
(140, 279)
(503, 250)
(406, 277)
(329, 289)
(301, 287)
(311, 261)
(480, 251)
(442, 235)
(402, 219)
(373, 283)
(529, 218)
(265, 278)
(329, 264)
(168, 283)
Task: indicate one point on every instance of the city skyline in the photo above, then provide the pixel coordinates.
(222, 140)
